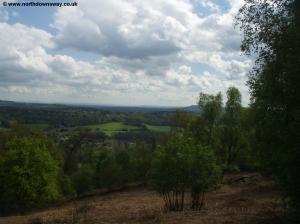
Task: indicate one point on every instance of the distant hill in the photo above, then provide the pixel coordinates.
(111, 108)
(193, 108)
(4, 103)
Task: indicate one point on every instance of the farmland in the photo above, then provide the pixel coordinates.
(108, 129)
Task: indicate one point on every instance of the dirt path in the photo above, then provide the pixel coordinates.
(243, 198)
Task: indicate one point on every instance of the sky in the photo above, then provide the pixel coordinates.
(121, 52)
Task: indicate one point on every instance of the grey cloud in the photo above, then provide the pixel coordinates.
(153, 66)
(136, 36)
(144, 50)
(114, 45)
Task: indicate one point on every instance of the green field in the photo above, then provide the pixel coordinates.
(115, 127)
(108, 128)
(158, 128)
(111, 128)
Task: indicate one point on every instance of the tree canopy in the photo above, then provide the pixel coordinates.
(272, 32)
(28, 175)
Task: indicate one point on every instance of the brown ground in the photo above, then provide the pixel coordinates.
(243, 198)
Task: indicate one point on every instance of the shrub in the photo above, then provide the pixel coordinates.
(28, 175)
(83, 179)
(184, 166)
(110, 172)
(204, 174)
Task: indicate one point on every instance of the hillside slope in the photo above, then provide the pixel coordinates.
(243, 198)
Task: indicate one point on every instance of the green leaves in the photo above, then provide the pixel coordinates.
(274, 37)
(113, 168)
(183, 166)
(28, 175)
(211, 106)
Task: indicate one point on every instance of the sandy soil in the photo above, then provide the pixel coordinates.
(242, 198)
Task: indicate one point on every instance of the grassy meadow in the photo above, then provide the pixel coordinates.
(109, 128)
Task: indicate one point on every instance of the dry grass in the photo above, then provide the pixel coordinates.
(243, 198)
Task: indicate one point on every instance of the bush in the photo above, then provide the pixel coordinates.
(204, 173)
(112, 169)
(66, 185)
(184, 166)
(83, 179)
(28, 175)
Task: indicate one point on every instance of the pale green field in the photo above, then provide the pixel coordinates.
(158, 128)
(108, 128)
(111, 128)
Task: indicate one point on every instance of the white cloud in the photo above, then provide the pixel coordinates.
(145, 49)
(118, 28)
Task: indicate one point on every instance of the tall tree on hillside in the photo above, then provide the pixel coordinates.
(231, 135)
(272, 32)
(211, 107)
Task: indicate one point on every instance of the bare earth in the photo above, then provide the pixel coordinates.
(242, 198)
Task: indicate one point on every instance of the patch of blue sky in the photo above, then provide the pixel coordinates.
(200, 68)
(205, 8)
(38, 17)
(223, 4)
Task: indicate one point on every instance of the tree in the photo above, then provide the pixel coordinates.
(113, 168)
(205, 173)
(141, 161)
(272, 32)
(84, 178)
(233, 104)
(28, 175)
(169, 174)
(78, 149)
(211, 107)
(182, 119)
(182, 166)
(231, 131)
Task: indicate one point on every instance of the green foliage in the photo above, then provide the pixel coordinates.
(247, 157)
(111, 128)
(183, 166)
(62, 117)
(66, 185)
(158, 128)
(232, 137)
(226, 131)
(171, 165)
(28, 175)
(233, 103)
(110, 164)
(113, 169)
(148, 137)
(182, 119)
(84, 179)
(141, 159)
(204, 174)
(274, 37)
(79, 149)
(211, 107)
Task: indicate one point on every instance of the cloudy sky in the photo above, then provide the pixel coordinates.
(123, 52)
